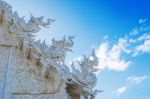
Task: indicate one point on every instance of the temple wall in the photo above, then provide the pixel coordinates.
(20, 78)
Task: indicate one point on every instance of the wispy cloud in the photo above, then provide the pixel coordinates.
(142, 21)
(130, 80)
(105, 37)
(143, 48)
(120, 91)
(137, 79)
(134, 31)
(133, 44)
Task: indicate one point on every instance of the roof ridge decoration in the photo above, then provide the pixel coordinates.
(52, 56)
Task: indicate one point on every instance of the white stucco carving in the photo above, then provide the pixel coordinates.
(49, 58)
(85, 76)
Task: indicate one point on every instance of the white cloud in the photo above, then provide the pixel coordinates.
(142, 21)
(134, 31)
(105, 37)
(133, 44)
(110, 58)
(143, 27)
(143, 48)
(120, 90)
(130, 80)
(145, 36)
(136, 79)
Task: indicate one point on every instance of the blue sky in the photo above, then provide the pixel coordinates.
(119, 30)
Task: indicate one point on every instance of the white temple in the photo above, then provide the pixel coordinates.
(31, 69)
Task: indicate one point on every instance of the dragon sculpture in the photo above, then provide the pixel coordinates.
(86, 75)
(57, 51)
